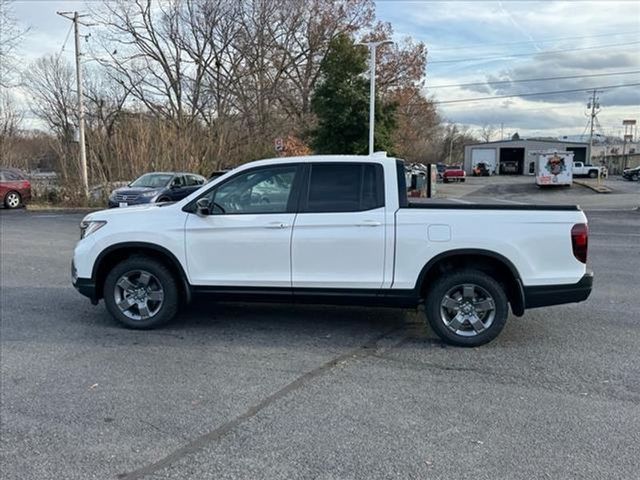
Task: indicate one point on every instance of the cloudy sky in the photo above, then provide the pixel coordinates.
(492, 45)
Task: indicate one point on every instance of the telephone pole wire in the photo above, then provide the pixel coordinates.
(82, 147)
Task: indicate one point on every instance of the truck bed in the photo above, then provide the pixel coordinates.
(490, 206)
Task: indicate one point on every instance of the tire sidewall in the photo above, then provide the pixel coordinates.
(165, 278)
(442, 285)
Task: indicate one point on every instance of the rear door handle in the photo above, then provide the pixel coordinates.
(369, 223)
(277, 225)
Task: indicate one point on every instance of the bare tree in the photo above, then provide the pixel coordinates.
(487, 132)
(50, 82)
(10, 121)
(10, 36)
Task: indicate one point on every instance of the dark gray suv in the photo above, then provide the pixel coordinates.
(156, 187)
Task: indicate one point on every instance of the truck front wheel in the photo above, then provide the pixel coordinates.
(141, 293)
(466, 308)
(593, 173)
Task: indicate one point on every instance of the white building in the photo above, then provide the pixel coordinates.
(514, 157)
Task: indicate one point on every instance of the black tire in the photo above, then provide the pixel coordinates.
(469, 336)
(161, 276)
(462, 180)
(12, 199)
(635, 177)
(445, 180)
(593, 173)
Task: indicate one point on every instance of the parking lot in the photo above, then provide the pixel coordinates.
(278, 391)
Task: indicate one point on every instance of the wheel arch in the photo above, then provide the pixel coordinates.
(114, 254)
(492, 263)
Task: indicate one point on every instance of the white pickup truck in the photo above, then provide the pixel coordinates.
(339, 230)
(581, 169)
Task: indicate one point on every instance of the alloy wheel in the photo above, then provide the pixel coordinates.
(138, 294)
(467, 310)
(13, 200)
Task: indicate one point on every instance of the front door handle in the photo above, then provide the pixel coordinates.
(369, 223)
(277, 225)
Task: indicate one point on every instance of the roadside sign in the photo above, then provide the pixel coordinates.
(279, 144)
(628, 122)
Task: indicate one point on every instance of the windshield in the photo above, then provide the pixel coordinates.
(152, 180)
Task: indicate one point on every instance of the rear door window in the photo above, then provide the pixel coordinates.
(344, 187)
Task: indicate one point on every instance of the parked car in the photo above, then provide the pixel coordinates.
(338, 229)
(581, 169)
(632, 174)
(454, 173)
(156, 188)
(15, 189)
(481, 170)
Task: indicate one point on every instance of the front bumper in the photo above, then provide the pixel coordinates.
(138, 201)
(546, 295)
(85, 286)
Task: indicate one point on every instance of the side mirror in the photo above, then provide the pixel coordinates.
(202, 207)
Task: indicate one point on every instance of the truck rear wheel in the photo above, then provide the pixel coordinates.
(141, 293)
(466, 308)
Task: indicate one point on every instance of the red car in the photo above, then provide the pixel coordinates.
(453, 173)
(15, 189)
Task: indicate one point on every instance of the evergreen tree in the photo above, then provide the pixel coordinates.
(341, 104)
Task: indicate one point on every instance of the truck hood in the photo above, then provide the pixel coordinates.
(124, 212)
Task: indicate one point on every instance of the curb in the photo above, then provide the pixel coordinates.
(62, 210)
(595, 188)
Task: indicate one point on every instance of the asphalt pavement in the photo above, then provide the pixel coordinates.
(277, 391)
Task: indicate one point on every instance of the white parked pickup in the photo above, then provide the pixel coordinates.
(581, 169)
(334, 229)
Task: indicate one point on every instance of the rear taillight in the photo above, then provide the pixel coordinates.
(580, 241)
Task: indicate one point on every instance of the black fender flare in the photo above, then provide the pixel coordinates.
(517, 299)
(175, 263)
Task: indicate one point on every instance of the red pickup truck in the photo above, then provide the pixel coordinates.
(453, 173)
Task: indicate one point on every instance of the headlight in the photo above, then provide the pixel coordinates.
(87, 227)
(148, 194)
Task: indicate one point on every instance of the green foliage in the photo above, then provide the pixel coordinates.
(341, 104)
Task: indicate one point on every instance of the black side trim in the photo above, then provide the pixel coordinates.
(322, 296)
(545, 295)
(487, 206)
(403, 200)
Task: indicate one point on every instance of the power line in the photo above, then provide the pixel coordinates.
(532, 94)
(501, 82)
(473, 45)
(547, 52)
(65, 43)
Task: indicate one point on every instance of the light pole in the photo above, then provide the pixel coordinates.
(372, 46)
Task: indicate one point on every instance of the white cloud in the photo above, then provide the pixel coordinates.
(500, 29)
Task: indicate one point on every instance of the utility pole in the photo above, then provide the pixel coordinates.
(372, 46)
(595, 109)
(82, 148)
